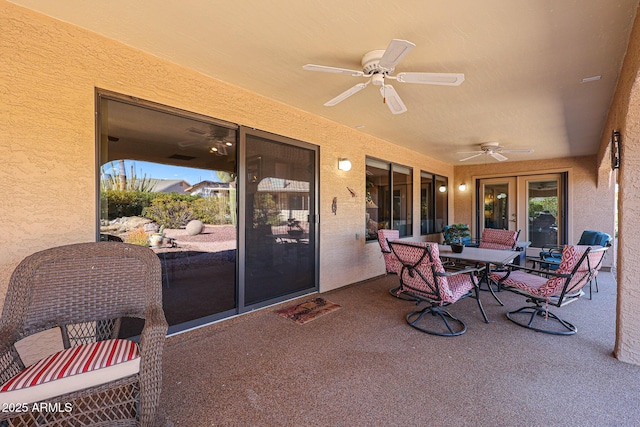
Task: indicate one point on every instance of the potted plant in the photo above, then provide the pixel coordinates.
(156, 239)
(455, 235)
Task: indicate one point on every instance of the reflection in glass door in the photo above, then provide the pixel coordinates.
(544, 210)
(279, 210)
(168, 182)
(497, 204)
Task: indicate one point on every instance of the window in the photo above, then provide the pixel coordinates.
(389, 198)
(433, 202)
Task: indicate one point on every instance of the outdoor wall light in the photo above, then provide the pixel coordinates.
(344, 164)
(463, 187)
(442, 188)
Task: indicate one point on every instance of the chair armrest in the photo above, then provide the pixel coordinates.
(155, 328)
(512, 267)
(152, 341)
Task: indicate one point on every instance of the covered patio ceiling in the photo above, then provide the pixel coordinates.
(539, 74)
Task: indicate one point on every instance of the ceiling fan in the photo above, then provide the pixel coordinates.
(217, 139)
(494, 150)
(377, 66)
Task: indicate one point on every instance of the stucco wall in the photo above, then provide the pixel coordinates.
(48, 74)
(624, 115)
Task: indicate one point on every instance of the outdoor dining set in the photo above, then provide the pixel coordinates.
(434, 274)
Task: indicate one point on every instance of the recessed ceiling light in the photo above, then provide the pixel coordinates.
(590, 79)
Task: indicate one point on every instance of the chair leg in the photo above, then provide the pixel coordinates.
(488, 281)
(458, 327)
(536, 312)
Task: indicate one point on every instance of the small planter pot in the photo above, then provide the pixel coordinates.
(155, 240)
(457, 247)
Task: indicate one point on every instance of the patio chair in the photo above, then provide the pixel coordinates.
(493, 238)
(550, 255)
(544, 288)
(392, 264)
(59, 345)
(423, 277)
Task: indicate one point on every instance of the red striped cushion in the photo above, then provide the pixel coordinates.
(73, 361)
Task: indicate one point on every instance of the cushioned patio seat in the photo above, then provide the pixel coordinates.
(100, 362)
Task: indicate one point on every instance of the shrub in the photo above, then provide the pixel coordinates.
(213, 210)
(171, 210)
(265, 210)
(117, 204)
(137, 236)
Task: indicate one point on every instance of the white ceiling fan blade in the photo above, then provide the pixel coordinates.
(518, 150)
(471, 157)
(499, 157)
(446, 79)
(396, 50)
(324, 69)
(347, 93)
(392, 99)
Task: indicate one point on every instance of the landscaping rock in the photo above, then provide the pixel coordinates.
(194, 227)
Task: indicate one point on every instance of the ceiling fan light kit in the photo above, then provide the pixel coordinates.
(377, 66)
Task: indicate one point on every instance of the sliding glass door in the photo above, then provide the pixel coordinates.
(279, 216)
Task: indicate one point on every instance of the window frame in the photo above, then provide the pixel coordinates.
(437, 207)
(399, 216)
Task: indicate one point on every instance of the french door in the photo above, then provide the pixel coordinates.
(497, 204)
(545, 209)
(534, 204)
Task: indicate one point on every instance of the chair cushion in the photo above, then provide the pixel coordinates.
(498, 239)
(392, 263)
(594, 238)
(73, 369)
(542, 287)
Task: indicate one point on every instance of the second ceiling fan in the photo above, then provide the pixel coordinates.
(378, 65)
(493, 149)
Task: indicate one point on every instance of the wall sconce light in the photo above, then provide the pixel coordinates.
(442, 188)
(615, 150)
(463, 187)
(344, 164)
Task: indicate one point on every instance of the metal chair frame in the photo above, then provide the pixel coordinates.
(571, 291)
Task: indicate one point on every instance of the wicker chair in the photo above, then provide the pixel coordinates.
(80, 292)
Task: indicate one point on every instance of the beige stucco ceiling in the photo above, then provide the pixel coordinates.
(523, 61)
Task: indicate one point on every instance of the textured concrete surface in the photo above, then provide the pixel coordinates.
(363, 365)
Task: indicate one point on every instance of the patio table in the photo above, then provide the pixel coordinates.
(488, 257)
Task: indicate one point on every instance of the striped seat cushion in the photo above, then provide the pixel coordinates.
(73, 369)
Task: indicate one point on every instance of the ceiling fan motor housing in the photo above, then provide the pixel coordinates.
(371, 60)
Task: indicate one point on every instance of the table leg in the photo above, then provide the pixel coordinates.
(487, 278)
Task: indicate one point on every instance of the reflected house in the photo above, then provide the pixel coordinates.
(169, 185)
(211, 188)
